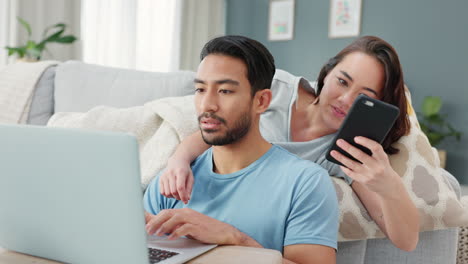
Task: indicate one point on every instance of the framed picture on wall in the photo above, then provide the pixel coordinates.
(281, 20)
(345, 18)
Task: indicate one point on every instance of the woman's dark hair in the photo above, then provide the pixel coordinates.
(394, 89)
(259, 61)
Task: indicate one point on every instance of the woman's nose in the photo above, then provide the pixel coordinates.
(348, 98)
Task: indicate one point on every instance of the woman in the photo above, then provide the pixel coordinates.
(304, 121)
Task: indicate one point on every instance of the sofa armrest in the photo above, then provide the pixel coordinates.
(42, 105)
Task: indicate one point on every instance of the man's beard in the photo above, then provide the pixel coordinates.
(240, 129)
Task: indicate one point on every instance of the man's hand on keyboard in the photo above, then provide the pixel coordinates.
(192, 224)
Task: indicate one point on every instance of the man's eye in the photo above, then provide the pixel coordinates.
(224, 91)
(199, 90)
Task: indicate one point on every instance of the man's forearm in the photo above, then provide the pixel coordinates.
(242, 239)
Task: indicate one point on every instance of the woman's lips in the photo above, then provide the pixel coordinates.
(338, 112)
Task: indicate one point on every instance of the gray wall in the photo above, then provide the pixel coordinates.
(431, 37)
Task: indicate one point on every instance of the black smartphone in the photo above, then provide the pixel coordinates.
(367, 117)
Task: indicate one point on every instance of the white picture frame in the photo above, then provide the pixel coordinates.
(345, 18)
(281, 20)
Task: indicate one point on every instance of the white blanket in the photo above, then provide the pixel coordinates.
(159, 126)
(17, 83)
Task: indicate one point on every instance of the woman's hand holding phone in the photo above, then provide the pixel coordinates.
(375, 171)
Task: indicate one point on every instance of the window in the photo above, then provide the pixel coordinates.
(134, 34)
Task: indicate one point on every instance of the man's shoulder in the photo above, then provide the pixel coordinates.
(300, 173)
(202, 159)
(291, 161)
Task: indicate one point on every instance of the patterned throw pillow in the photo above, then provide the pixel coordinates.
(428, 186)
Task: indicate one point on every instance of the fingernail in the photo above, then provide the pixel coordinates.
(159, 232)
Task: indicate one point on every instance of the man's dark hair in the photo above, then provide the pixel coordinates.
(258, 60)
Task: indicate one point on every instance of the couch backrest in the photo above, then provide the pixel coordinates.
(80, 86)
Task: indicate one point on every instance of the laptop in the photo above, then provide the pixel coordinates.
(75, 196)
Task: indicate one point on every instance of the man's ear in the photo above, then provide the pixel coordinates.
(262, 100)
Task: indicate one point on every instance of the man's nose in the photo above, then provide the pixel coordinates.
(209, 102)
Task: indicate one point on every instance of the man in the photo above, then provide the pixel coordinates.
(247, 191)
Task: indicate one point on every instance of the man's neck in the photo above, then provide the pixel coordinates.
(234, 157)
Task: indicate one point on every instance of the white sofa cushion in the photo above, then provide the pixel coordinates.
(80, 86)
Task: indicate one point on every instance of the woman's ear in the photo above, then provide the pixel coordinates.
(262, 100)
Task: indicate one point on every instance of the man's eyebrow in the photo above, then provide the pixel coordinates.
(227, 81)
(223, 81)
(198, 81)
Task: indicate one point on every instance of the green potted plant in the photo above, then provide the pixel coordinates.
(32, 50)
(434, 125)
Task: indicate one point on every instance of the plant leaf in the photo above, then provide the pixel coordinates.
(34, 53)
(20, 50)
(454, 132)
(33, 50)
(435, 138)
(59, 25)
(11, 51)
(25, 25)
(30, 44)
(436, 119)
(424, 128)
(60, 29)
(431, 105)
(66, 39)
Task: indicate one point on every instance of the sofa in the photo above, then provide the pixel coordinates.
(77, 87)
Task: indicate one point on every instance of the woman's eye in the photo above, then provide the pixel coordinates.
(342, 82)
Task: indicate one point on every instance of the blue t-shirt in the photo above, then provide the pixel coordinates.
(278, 200)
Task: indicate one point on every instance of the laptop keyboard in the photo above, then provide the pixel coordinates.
(158, 255)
